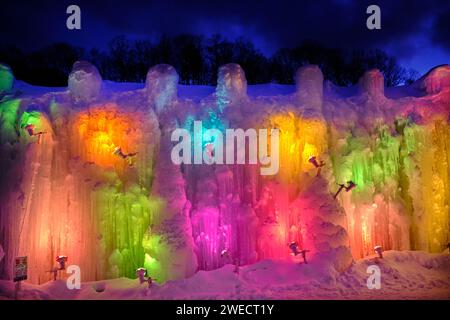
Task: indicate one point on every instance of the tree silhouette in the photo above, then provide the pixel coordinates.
(197, 60)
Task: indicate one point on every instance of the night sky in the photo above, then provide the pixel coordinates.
(416, 32)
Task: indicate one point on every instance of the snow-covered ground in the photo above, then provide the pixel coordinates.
(404, 275)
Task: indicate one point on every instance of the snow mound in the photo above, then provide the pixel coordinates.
(404, 275)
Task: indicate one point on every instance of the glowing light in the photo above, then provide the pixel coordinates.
(104, 128)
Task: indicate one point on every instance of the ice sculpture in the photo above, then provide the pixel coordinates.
(84, 82)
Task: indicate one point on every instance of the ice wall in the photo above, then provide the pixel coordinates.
(396, 154)
(68, 191)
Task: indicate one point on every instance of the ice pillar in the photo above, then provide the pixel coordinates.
(174, 252)
(309, 81)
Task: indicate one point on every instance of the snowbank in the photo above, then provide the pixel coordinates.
(404, 275)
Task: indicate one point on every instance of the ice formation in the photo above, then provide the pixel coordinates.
(71, 193)
(231, 84)
(372, 84)
(2, 253)
(85, 82)
(436, 80)
(6, 79)
(309, 80)
(161, 85)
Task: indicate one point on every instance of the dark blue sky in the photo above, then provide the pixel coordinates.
(417, 32)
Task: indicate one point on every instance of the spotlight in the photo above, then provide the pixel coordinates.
(118, 152)
(30, 128)
(296, 251)
(141, 273)
(224, 254)
(315, 163)
(125, 156)
(62, 262)
(350, 185)
(379, 250)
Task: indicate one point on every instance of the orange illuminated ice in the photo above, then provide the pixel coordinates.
(104, 130)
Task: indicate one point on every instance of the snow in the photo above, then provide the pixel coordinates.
(195, 93)
(404, 275)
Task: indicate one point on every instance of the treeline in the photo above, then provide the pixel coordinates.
(197, 60)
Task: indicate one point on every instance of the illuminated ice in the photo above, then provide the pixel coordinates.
(231, 84)
(70, 194)
(372, 84)
(309, 80)
(2, 253)
(161, 85)
(436, 80)
(6, 79)
(85, 82)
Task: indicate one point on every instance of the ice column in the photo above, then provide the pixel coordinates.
(85, 82)
(372, 83)
(309, 80)
(231, 85)
(175, 250)
(321, 226)
(161, 86)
